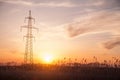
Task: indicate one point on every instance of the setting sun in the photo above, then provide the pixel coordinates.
(47, 58)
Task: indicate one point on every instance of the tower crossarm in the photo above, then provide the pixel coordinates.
(35, 28)
(27, 36)
(25, 26)
(30, 17)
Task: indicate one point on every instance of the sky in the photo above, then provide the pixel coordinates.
(67, 28)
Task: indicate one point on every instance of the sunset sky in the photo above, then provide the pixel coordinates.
(67, 28)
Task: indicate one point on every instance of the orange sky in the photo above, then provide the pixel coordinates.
(67, 28)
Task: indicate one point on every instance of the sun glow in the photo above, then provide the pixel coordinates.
(47, 58)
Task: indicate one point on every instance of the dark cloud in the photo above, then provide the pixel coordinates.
(112, 43)
(117, 2)
(76, 31)
(113, 4)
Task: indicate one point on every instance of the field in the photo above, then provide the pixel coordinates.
(50, 72)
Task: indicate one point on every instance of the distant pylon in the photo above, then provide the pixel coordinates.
(28, 56)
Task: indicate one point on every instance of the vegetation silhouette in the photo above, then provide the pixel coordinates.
(66, 69)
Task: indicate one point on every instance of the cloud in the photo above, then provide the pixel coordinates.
(112, 43)
(16, 2)
(104, 16)
(105, 3)
(40, 3)
(98, 21)
(115, 3)
(66, 3)
(76, 31)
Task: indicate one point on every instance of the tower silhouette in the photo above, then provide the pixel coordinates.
(28, 56)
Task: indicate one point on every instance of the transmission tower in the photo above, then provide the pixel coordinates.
(28, 55)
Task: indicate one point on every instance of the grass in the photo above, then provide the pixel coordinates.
(62, 72)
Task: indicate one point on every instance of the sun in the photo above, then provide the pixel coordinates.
(47, 58)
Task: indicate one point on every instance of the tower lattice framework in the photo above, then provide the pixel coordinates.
(28, 56)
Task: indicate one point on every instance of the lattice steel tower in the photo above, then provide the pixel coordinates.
(28, 56)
